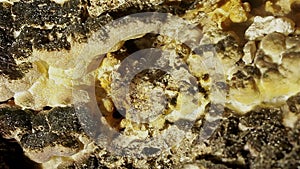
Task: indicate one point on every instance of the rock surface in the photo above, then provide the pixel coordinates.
(53, 84)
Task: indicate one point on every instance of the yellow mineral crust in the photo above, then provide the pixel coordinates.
(266, 25)
(249, 52)
(50, 83)
(245, 96)
(51, 88)
(104, 71)
(9, 88)
(273, 45)
(139, 97)
(233, 10)
(285, 81)
(278, 60)
(290, 119)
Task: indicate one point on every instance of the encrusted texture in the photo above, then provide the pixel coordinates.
(257, 43)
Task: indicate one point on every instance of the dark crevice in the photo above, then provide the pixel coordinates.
(84, 15)
(47, 108)
(10, 101)
(117, 115)
(218, 160)
(13, 157)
